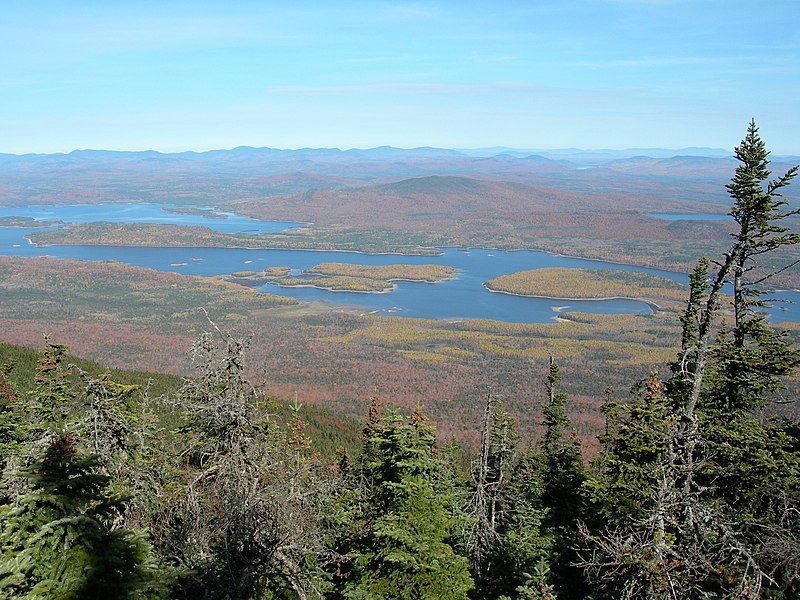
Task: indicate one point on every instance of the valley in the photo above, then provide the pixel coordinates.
(294, 285)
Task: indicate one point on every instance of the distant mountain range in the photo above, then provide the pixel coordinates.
(383, 153)
(373, 165)
(599, 156)
(245, 173)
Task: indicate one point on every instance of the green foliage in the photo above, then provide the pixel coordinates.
(625, 477)
(563, 478)
(525, 545)
(52, 396)
(245, 523)
(700, 488)
(536, 586)
(506, 540)
(403, 552)
(57, 540)
(564, 468)
(755, 357)
(10, 421)
(748, 363)
(695, 493)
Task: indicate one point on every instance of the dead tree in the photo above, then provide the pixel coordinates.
(489, 477)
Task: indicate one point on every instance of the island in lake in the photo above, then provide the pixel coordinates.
(591, 284)
(206, 213)
(345, 277)
(14, 221)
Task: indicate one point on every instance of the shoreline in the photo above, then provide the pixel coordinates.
(311, 223)
(437, 250)
(655, 307)
(160, 205)
(399, 253)
(562, 255)
(390, 253)
(308, 285)
(387, 253)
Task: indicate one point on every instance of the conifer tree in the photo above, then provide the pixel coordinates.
(9, 420)
(108, 415)
(537, 585)
(749, 361)
(38, 416)
(726, 482)
(487, 507)
(625, 475)
(507, 545)
(246, 526)
(56, 541)
(520, 566)
(562, 489)
(52, 396)
(403, 552)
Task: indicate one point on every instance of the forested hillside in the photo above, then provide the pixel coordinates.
(134, 485)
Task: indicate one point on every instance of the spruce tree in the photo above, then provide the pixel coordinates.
(9, 419)
(403, 551)
(562, 489)
(625, 474)
(52, 397)
(521, 562)
(33, 419)
(108, 416)
(726, 481)
(488, 504)
(246, 520)
(57, 541)
(749, 362)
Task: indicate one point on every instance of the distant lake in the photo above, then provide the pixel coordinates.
(461, 298)
(690, 216)
(144, 213)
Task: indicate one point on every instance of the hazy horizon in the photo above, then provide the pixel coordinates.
(498, 148)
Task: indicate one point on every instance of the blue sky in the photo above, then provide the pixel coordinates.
(550, 74)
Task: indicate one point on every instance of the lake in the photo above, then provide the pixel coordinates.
(461, 298)
(144, 213)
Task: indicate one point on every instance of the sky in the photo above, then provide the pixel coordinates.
(200, 75)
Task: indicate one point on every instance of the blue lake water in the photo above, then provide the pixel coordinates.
(463, 297)
(143, 213)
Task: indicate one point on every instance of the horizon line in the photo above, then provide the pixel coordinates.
(499, 148)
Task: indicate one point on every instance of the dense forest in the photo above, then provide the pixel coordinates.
(204, 487)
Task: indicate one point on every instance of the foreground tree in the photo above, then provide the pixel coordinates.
(57, 540)
(247, 524)
(488, 506)
(10, 429)
(508, 548)
(402, 551)
(521, 563)
(562, 489)
(725, 484)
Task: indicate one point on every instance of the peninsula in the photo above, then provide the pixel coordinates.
(591, 284)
